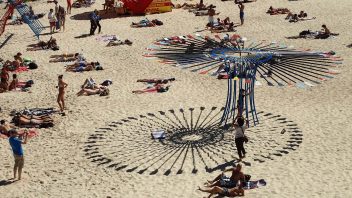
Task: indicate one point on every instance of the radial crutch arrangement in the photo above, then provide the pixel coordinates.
(244, 63)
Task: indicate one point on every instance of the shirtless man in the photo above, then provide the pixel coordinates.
(325, 33)
(228, 182)
(241, 7)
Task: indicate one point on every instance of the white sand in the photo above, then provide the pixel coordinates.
(56, 165)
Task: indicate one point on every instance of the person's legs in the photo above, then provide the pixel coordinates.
(20, 166)
(238, 147)
(243, 152)
(58, 101)
(98, 24)
(212, 191)
(15, 167)
(93, 27)
(62, 101)
(242, 17)
(216, 178)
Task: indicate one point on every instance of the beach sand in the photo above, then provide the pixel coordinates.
(60, 162)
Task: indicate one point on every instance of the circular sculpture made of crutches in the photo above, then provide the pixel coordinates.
(244, 63)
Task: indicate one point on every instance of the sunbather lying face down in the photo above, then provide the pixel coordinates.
(159, 88)
(26, 120)
(66, 58)
(83, 66)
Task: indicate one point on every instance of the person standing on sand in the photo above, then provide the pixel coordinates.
(16, 145)
(239, 130)
(69, 6)
(52, 20)
(62, 17)
(241, 7)
(60, 98)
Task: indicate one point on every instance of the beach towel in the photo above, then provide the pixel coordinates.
(106, 38)
(254, 184)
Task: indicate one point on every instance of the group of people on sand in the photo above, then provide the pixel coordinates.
(13, 66)
(225, 25)
(57, 17)
(223, 185)
(222, 26)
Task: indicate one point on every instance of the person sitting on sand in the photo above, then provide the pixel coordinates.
(324, 34)
(229, 192)
(13, 83)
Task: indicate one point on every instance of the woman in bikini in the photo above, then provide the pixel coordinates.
(60, 98)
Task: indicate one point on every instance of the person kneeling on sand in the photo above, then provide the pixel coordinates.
(16, 145)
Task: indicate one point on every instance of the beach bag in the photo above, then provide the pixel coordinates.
(29, 84)
(158, 134)
(32, 65)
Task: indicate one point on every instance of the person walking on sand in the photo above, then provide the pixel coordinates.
(241, 7)
(94, 20)
(240, 128)
(16, 145)
(60, 98)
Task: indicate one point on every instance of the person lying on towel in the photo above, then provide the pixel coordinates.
(66, 58)
(158, 88)
(33, 121)
(84, 66)
(157, 80)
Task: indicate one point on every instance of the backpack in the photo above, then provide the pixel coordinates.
(32, 65)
